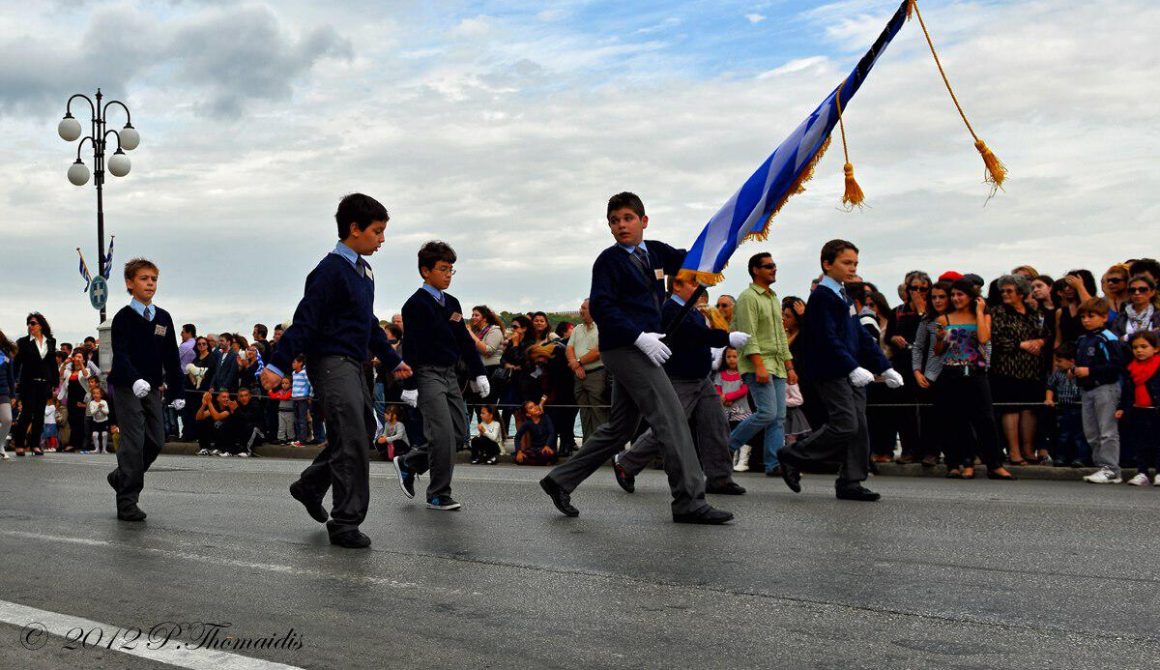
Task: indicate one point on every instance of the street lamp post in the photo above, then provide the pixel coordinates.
(128, 138)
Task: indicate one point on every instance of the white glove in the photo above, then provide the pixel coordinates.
(893, 379)
(861, 377)
(410, 397)
(651, 345)
(481, 386)
(738, 339)
(179, 404)
(141, 388)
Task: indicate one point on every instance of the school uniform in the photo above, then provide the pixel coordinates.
(37, 377)
(435, 342)
(335, 327)
(625, 300)
(144, 348)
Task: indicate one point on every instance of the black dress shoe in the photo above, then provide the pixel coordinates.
(351, 539)
(857, 492)
(559, 496)
(625, 480)
(706, 516)
(112, 479)
(133, 513)
(729, 488)
(777, 471)
(313, 505)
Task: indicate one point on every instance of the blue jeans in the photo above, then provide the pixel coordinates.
(769, 414)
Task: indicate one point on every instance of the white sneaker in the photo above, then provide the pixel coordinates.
(1140, 479)
(243, 455)
(1155, 480)
(1104, 476)
(224, 454)
(215, 452)
(743, 458)
(4, 456)
(203, 452)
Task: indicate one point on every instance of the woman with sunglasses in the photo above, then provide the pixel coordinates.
(901, 333)
(1115, 286)
(203, 357)
(1140, 312)
(1018, 342)
(39, 375)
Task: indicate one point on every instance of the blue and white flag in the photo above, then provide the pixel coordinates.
(107, 264)
(748, 213)
(84, 270)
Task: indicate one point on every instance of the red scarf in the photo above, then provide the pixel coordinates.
(1141, 372)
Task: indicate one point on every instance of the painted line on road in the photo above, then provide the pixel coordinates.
(37, 624)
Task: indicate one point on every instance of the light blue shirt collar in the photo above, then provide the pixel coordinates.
(832, 284)
(630, 248)
(347, 253)
(435, 293)
(139, 307)
(677, 299)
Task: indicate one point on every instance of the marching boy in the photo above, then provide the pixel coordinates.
(436, 340)
(337, 330)
(145, 359)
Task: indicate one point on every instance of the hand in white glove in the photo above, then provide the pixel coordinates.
(141, 388)
(651, 345)
(410, 398)
(481, 385)
(861, 377)
(738, 339)
(892, 378)
(179, 404)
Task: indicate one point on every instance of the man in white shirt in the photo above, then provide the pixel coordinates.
(591, 389)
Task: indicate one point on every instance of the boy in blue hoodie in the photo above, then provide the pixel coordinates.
(1099, 363)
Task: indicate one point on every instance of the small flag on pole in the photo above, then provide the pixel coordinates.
(108, 261)
(84, 269)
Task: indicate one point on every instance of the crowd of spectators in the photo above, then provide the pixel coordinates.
(1023, 370)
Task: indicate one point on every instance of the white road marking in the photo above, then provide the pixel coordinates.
(37, 625)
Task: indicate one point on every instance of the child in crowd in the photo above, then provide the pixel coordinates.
(99, 411)
(1063, 395)
(797, 427)
(735, 397)
(392, 438)
(1099, 363)
(1138, 413)
(282, 395)
(485, 446)
(50, 438)
(540, 434)
(300, 392)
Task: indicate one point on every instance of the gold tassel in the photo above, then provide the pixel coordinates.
(853, 196)
(996, 171)
(911, 5)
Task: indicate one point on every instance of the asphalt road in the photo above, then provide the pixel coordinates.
(940, 574)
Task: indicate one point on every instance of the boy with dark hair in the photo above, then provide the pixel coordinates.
(145, 360)
(625, 301)
(1063, 396)
(437, 340)
(835, 356)
(1099, 363)
(337, 330)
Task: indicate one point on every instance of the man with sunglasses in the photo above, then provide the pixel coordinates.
(765, 362)
(725, 305)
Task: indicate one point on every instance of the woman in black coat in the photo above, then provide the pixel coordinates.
(38, 376)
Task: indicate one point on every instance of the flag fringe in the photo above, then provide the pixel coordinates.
(706, 278)
(797, 187)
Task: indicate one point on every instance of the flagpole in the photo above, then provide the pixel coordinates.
(671, 327)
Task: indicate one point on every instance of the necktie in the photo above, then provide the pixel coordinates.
(361, 266)
(640, 258)
(845, 298)
(149, 312)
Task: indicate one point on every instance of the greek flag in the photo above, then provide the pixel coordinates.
(748, 213)
(84, 269)
(108, 260)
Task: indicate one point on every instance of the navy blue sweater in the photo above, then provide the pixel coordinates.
(437, 334)
(146, 350)
(7, 376)
(335, 317)
(690, 343)
(833, 341)
(623, 302)
(1101, 353)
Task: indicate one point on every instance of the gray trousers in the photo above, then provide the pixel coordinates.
(142, 436)
(444, 426)
(843, 438)
(344, 464)
(1100, 427)
(709, 426)
(592, 390)
(641, 389)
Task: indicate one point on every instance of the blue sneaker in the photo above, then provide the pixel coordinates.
(445, 503)
(406, 477)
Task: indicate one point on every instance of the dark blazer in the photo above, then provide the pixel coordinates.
(226, 377)
(690, 343)
(32, 366)
(833, 341)
(623, 301)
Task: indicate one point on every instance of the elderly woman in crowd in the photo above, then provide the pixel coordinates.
(1140, 312)
(1018, 342)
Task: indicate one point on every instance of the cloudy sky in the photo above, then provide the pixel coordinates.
(503, 127)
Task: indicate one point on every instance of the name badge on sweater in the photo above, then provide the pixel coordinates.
(659, 272)
(853, 312)
(160, 331)
(370, 273)
(456, 317)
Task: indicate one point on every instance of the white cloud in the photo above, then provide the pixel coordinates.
(754, 18)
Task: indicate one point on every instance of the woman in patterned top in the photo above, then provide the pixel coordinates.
(962, 391)
(1017, 345)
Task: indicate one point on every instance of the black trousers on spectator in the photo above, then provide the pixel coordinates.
(212, 436)
(964, 398)
(1139, 430)
(30, 424)
(483, 448)
(76, 427)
